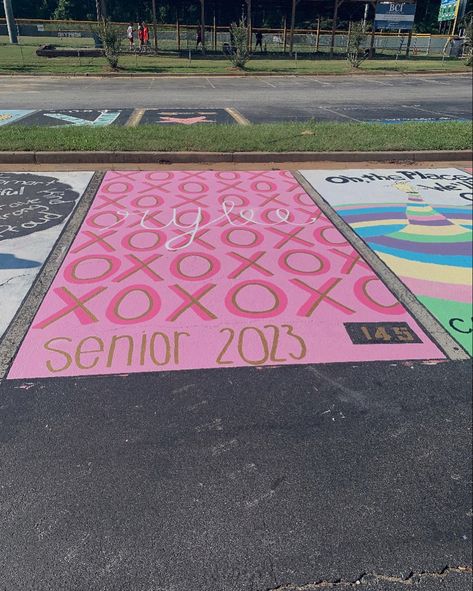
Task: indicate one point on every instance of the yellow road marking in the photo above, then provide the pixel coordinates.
(135, 118)
(239, 118)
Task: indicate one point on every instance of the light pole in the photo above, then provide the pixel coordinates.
(101, 8)
(11, 25)
(365, 17)
(155, 26)
(202, 23)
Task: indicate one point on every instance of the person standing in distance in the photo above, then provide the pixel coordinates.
(141, 35)
(145, 35)
(199, 38)
(130, 35)
(259, 41)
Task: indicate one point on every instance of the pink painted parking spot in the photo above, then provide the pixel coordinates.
(191, 270)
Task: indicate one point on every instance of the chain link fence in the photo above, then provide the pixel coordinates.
(182, 40)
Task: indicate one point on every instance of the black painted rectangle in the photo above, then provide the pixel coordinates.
(381, 333)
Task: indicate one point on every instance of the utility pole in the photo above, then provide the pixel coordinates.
(101, 9)
(202, 23)
(155, 27)
(365, 17)
(11, 25)
(293, 25)
(249, 24)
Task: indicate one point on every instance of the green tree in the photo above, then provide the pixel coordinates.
(75, 10)
(265, 12)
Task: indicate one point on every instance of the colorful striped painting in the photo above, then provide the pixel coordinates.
(420, 224)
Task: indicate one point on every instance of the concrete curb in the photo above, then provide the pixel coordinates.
(230, 74)
(230, 157)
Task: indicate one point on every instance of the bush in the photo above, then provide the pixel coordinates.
(111, 37)
(357, 51)
(239, 53)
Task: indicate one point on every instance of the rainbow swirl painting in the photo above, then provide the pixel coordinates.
(420, 224)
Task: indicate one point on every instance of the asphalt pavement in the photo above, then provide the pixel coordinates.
(264, 477)
(259, 99)
(239, 480)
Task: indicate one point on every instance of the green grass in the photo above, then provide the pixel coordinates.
(234, 138)
(22, 59)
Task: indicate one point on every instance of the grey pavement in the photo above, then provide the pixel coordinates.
(239, 480)
(341, 476)
(260, 99)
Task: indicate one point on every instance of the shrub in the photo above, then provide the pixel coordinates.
(357, 51)
(111, 37)
(239, 53)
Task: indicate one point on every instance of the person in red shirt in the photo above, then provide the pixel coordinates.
(141, 35)
(145, 34)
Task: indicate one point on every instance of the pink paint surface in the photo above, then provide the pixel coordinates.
(190, 270)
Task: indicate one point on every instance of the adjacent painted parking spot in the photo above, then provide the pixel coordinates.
(34, 209)
(243, 116)
(419, 222)
(185, 116)
(345, 113)
(9, 116)
(72, 117)
(192, 270)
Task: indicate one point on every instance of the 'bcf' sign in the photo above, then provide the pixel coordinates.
(395, 15)
(398, 8)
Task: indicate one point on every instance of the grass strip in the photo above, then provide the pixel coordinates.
(22, 59)
(274, 137)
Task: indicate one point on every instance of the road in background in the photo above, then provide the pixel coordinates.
(259, 99)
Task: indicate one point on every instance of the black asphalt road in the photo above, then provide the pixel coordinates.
(259, 99)
(238, 480)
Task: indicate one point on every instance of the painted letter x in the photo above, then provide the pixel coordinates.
(140, 265)
(96, 239)
(249, 263)
(351, 260)
(73, 304)
(192, 302)
(319, 295)
(288, 236)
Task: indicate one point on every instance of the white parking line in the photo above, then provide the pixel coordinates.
(314, 79)
(432, 81)
(428, 111)
(211, 84)
(340, 114)
(267, 83)
(377, 82)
